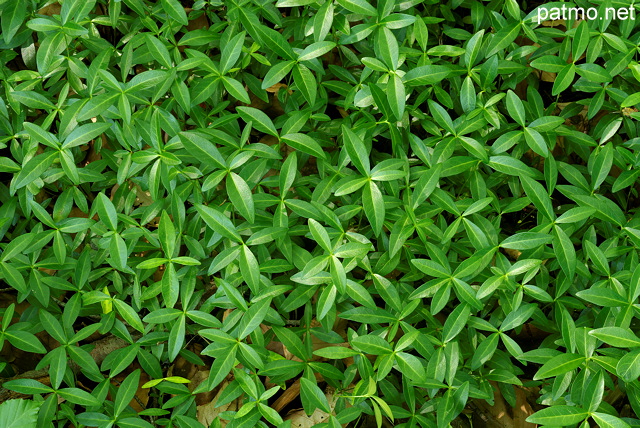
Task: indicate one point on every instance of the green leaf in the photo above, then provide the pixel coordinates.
(474, 148)
(441, 117)
(518, 317)
(174, 9)
(564, 79)
(388, 291)
(426, 75)
(426, 185)
(315, 50)
(386, 47)
(250, 269)
(361, 7)
(151, 263)
(158, 51)
(452, 404)
(580, 40)
(161, 316)
(624, 180)
(536, 142)
(485, 351)
(539, 196)
(600, 165)
(575, 215)
(549, 63)
(18, 413)
(312, 397)
(97, 105)
(292, 342)
(58, 364)
(236, 89)
(356, 150)
(129, 315)
(558, 416)
(564, 251)
(270, 414)
(631, 100)
(371, 344)
(411, 366)
(79, 396)
(170, 286)
(304, 144)
(397, 95)
(510, 166)
(288, 173)
(594, 72)
(349, 185)
(259, 119)
(455, 322)
(231, 52)
(616, 336)
(515, 108)
(253, 318)
(233, 294)
(167, 234)
(27, 386)
(368, 315)
(176, 338)
(32, 99)
(446, 50)
(320, 235)
(25, 341)
(335, 352)
(83, 134)
(373, 205)
(605, 420)
(628, 368)
(7, 165)
(594, 392)
(605, 208)
(220, 369)
(16, 246)
(503, 38)
(275, 41)
(126, 392)
(14, 13)
(14, 278)
(107, 211)
(240, 196)
(603, 297)
(473, 49)
(468, 95)
(322, 21)
(203, 150)
(306, 83)
(49, 50)
(276, 73)
(34, 168)
(218, 222)
(558, 365)
(546, 123)
(479, 260)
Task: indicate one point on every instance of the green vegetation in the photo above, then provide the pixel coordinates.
(385, 213)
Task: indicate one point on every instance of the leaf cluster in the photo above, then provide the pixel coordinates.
(417, 206)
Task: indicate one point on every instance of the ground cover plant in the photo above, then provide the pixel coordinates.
(315, 213)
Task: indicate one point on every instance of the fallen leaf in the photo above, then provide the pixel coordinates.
(275, 88)
(299, 418)
(208, 412)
